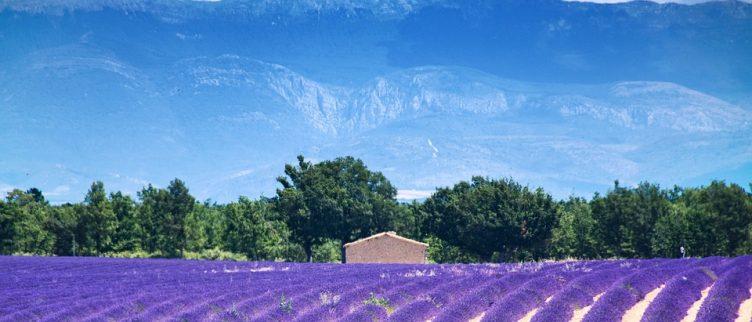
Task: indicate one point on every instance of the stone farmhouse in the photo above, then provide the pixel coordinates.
(386, 247)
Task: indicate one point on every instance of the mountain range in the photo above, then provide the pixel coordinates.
(224, 94)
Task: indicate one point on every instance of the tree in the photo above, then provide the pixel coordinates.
(626, 219)
(99, 222)
(127, 235)
(720, 217)
(180, 204)
(339, 199)
(492, 219)
(63, 225)
(574, 236)
(22, 223)
(204, 227)
(6, 228)
(410, 220)
(674, 231)
(249, 229)
(153, 205)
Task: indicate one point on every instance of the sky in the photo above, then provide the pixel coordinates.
(657, 1)
(222, 95)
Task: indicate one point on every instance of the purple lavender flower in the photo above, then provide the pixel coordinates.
(64, 288)
(680, 293)
(628, 291)
(529, 296)
(722, 303)
(578, 294)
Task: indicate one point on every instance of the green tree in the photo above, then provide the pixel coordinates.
(626, 219)
(492, 219)
(127, 235)
(339, 199)
(204, 227)
(63, 225)
(23, 218)
(153, 205)
(99, 222)
(327, 252)
(674, 231)
(162, 216)
(6, 228)
(180, 203)
(249, 229)
(574, 235)
(440, 251)
(410, 220)
(720, 218)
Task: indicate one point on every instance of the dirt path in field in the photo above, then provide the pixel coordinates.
(529, 316)
(745, 310)
(636, 312)
(695, 308)
(478, 318)
(579, 314)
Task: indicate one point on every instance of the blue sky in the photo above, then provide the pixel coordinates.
(223, 94)
(656, 1)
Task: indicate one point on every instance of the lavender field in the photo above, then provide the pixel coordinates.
(98, 289)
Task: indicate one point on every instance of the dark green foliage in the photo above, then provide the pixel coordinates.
(728, 207)
(6, 228)
(153, 206)
(339, 199)
(324, 205)
(251, 230)
(63, 225)
(410, 220)
(204, 227)
(328, 252)
(180, 204)
(674, 231)
(128, 228)
(574, 235)
(493, 219)
(711, 220)
(440, 251)
(23, 220)
(98, 223)
(625, 219)
(162, 216)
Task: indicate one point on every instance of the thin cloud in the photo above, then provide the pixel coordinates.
(241, 173)
(58, 191)
(411, 194)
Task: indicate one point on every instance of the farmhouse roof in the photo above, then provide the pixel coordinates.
(389, 234)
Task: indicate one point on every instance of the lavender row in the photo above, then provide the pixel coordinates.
(472, 305)
(529, 296)
(351, 305)
(679, 294)
(426, 306)
(581, 292)
(578, 294)
(97, 289)
(733, 287)
(630, 290)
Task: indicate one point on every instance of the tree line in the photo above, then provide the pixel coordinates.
(320, 207)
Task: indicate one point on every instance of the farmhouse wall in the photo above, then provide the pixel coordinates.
(386, 248)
